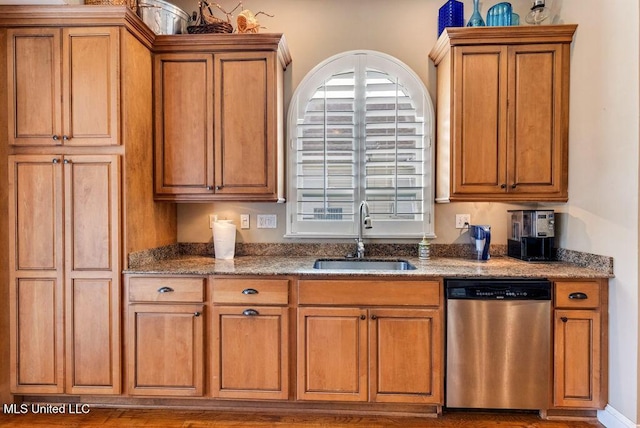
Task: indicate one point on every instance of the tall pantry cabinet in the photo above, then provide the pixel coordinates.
(77, 145)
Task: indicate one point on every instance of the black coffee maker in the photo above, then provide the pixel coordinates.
(531, 235)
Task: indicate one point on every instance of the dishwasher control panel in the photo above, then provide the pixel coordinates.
(498, 289)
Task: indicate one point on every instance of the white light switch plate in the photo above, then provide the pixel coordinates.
(244, 221)
(267, 221)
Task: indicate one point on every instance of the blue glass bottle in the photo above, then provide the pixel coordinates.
(476, 19)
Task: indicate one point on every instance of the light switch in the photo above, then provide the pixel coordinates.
(244, 221)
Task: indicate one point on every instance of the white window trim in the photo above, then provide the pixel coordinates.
(308, 86)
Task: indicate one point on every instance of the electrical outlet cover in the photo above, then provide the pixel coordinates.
(267, 221)
(463, 220)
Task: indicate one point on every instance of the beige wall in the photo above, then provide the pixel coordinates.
(316, 30)
(601, 216)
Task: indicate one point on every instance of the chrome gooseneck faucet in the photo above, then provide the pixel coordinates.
(364, 221)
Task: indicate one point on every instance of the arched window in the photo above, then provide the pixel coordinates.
(361, 129)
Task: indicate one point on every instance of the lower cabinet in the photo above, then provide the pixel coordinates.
(165, 336)
(580, 344)
(370, 352)
(250, 338)
(351, 340)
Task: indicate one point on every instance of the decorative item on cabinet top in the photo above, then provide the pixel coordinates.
(476, 18)
(451, 14)
(208, 23)
(499, 15)
(163, 17)
(131, 3)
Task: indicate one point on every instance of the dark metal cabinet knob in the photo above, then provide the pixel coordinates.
(374, 317)
(564, 319)
(197, 314)
(363, 317)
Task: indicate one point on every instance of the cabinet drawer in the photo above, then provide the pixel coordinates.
(251, 291)
(173, 289)
(579, 294)
(369, 292)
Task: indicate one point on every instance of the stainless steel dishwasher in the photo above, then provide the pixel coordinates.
(498, 343)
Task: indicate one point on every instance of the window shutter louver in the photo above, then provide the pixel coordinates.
(360, 134)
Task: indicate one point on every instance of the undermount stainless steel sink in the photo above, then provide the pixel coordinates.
(363, 264)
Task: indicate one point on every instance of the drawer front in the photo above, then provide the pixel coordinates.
(369, 292)
(166, 289)
(251, 291)
(578, 294)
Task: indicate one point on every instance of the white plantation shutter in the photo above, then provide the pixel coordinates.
(361, 128)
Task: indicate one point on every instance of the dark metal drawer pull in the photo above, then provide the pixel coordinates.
(250, 312)
(578, 296)
(249, 291)
(165, 290)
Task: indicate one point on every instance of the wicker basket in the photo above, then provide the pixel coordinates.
(131, 3)
(219, 27)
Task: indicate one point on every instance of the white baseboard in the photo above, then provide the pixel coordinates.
(611, 418)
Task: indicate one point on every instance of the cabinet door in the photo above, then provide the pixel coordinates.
(34, 83)
(64, 86)
(479, 125)
(250, 352)
(36, 274)
(406, 355)
(165, 350)
(332, 354)
(577, 359)
(184, 124)
(245, 131)
(92, 274)
(90, 86)
(538, 116)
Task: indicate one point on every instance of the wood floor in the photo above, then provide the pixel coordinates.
(197, 419)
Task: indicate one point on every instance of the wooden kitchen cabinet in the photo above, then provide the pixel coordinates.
(219, 118)
(64, 86)
(580, 344)
(502, 113)
(250, 338)
(60, 249)
(165, 335)
(368, 350)
(74, 218)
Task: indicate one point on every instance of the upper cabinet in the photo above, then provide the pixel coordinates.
(503, 113)
(219, 117)
(63, 86)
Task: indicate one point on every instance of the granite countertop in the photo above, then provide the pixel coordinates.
(500, 266)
